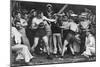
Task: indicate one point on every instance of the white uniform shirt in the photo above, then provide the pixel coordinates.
(65, 25)
(90, 45)
(90, 41)
(73, 26)
(16, 34)
(85, 24)
(70, 25)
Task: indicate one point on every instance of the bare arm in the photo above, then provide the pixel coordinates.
(65, 26)
(51, 20)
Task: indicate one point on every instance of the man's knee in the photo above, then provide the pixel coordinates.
(25, 47)
(65, 42)
(36, 41)
(46, 41)
(45, 38)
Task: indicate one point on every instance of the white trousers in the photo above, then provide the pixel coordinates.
(89, 51)
(23, 52)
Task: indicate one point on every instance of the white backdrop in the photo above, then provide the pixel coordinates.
(5, 33)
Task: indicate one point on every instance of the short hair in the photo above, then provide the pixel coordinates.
(39, 12)
(17, 20)
(16, 13)
(49, 5)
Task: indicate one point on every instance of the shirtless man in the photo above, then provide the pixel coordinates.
(39, 24)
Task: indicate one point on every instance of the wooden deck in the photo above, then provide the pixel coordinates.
(41, 59)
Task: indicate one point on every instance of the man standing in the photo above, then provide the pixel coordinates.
(39, 23)
(84, 26)
(56, 31)
(71, 31)
(49, 13)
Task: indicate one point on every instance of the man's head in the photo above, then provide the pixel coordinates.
(71, 12)
(87, 33)
(19, 15)
(17, 24)
(65, 18)
(33, 12)
(39, 14)
(49, 7)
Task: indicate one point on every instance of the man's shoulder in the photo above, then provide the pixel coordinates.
(22, 20)
(72, 23)
(44, 17)
(34, 19)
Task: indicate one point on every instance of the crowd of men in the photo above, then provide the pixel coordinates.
(32, 31)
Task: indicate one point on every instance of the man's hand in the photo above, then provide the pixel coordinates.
(33, 27)
(64, 27)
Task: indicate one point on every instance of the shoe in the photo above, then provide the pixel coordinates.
(49, 57)
(55, 52)
(85, 55)
(28, 64)
(60, 58)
